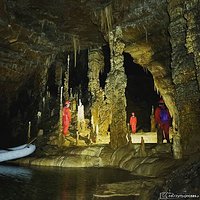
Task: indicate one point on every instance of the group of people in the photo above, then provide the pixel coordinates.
(162, 120)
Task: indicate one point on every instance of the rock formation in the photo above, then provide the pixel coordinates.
(161, 36)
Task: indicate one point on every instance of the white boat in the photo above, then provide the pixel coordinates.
(16, 152)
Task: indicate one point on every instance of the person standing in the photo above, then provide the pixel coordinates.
(133, 122)
(163, 121)
(66, 118)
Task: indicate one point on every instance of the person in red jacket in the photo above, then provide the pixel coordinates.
(66, 118)
(133, 122)
(163, 121)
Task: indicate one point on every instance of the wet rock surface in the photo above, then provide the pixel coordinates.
(158, 172)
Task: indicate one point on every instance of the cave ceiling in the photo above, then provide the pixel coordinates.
(32, 32)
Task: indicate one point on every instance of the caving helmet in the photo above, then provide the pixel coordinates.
(67, 102)
(161, 101)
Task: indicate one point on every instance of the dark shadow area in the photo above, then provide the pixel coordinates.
(16, 117)
(78, 79)
(103, 76)
(140, 93)
(53, 88)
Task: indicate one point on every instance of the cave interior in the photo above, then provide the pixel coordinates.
(110, 57)
(116, 56)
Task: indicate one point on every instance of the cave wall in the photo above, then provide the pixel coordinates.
(184, 31)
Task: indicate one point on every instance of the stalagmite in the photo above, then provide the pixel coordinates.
(97, 130)
(60, 127)
(40, 133)
(66, 80)
(153, 123)
(61, 94)
(77, 138)
(142, 151)
(39, 115)
(43, 103)
(92, 122)
(73, 104)
(29, 131)
(80, 116)
(177, 149)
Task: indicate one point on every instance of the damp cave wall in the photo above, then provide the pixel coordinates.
(184, 39)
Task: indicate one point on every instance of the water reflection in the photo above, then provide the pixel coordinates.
(55, 183)
(15, 172)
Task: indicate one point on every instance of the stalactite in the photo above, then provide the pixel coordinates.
(145, 69)
(76, 47)
(156, 88)
(42, 22)
(60, 127)
(146, 34)
(106, 19)
(108, 13)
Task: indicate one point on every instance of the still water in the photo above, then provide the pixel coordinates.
(48, 183)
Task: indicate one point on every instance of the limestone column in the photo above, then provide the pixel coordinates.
(115, 90)
(193, 48)
(184, 73)
(193, 38)
(95, 64)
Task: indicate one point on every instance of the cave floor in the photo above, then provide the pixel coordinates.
(151, 169)
(149, 137)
